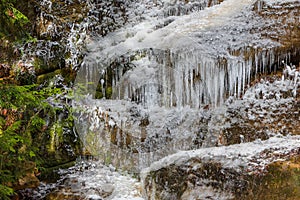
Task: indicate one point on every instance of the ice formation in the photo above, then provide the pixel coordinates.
(166, 65)
(198, 59)
(161, 73)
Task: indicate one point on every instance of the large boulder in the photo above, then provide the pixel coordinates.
(257, 170)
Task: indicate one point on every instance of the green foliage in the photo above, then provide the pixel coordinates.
(18, 97)
(31, 39)
(22, 112)
(14, 29)
(11, 19)
(5, 192)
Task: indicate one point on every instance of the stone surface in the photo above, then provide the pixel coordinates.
(62, 28)
(29, 180)
(4, 70)
(246, 171)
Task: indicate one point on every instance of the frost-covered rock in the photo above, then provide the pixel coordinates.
(201, 58)
(4, 70)
(90, 180)
(267, 108)
(244, 171)
(138, 133)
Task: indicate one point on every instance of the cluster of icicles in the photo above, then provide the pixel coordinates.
(177, 79)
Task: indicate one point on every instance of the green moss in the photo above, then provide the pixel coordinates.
(45, 77)
(282, 182)
(23, 132)
(92, 144)
(108, 92)
(20, 107)
(98, 95)
(11, 19)
(55, 133)
(38, 65)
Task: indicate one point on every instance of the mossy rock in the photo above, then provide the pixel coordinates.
(100, 95)
(228, 172)
(67, 73)
(282, 182)
(48, 55)
(28, 179)
(45, 77)
(50, 174)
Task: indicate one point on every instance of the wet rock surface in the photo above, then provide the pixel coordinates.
(29, 180)
(258, 106)
(266, 109)
(88, 180)
(4, 70)
(233, 172)
(241, 41)
(230, 55)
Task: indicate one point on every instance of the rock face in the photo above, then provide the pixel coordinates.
(4, 70)
(204, 58)
(267, 108)
(283, 16)
(88, 180)
(29, 180)
(180, 69)
(233, 172)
